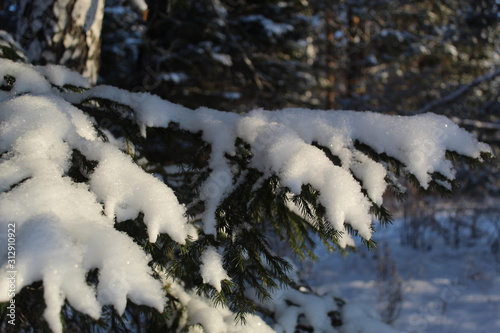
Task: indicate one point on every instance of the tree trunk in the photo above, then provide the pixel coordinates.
(64, 32)
(330, 65)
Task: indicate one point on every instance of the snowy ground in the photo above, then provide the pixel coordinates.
(444, 289)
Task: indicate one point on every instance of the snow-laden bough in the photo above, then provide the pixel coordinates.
(66, 228)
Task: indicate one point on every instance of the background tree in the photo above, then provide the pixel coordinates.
(408, 54)
(61, 32)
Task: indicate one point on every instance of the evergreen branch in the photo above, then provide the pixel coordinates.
(381, 214)
(335, 159)
(10, 52)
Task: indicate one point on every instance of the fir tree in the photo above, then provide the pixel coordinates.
(107, 245)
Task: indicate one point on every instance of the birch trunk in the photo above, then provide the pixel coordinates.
(64, 32)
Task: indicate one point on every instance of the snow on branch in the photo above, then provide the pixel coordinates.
(66, 225)
(61, 231)
(285, 143)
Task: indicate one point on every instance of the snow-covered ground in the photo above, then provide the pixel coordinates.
(444, 289)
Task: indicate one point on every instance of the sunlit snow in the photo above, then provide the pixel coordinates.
(66, 229)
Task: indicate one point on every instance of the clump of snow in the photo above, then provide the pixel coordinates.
(371, 174)
(60, 76)
(126, 191)
(211, 268)
(285, 153)
(27, 79)
(214, 319)
(291, 306)
(49, 211)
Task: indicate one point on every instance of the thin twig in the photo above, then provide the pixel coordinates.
(459, 92)
(476, 123)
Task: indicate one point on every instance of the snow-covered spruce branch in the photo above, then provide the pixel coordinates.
(329, 169)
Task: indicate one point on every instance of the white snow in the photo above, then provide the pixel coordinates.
(445, 289)
(6, 40)
(281, 151)
(60, 75)
(60, 229)
(126, 191)
(211, 268)
(214, 319)
(291, 307)
(27, 79)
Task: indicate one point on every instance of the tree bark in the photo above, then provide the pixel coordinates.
(63, 32)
